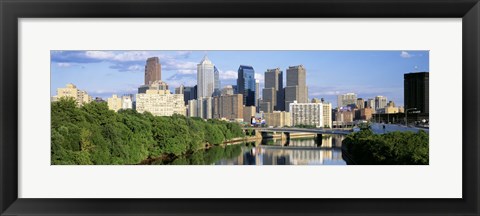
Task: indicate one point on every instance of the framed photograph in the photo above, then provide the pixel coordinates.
(251, 108)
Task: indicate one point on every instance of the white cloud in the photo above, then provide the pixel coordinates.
(405, 54)
(63, 64)
(118, 56)
(135, 68)
(260, 77)
(228, 75)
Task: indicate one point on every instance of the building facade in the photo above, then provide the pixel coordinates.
(114, 103)
(274, 83)
(154, 85)
(205, 78)
(228, 107)
(296, 88)
(327, 115)
(71, 91)
(160, 103)
(153, 70)
(249, 113)
(380, 102)
(201, 107)
(246, 84)
(278, 119)
(227, 90)
(416, 91)
(306, 114)
(127, 101)
(217, 83)
(189, 93)
(360, 103)
(348, 99)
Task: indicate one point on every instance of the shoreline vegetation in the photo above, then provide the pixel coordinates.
(393, 148)
(93, 134)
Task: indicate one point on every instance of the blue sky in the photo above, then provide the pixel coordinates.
(329, 73)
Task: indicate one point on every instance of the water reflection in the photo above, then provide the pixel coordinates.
(304, 151)
(301, 151)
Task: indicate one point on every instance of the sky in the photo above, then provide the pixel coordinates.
(329, 73)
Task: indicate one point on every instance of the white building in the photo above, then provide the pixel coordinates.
(306, 114)
(127, 102)
(380, 102)
(327, 115)
(114, 103)
(205, 78)
(202, 107)
(160, 103)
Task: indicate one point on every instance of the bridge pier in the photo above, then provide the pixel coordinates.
(318, 139)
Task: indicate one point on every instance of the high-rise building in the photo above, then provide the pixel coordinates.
(246, 84)
(306, 114)
(71, 91)
(114, 103)
(127, 101)
(274, 89)
(416, 91)
(327, 115)
(228, 107)
(160, 103)
(217, 84)
(371, 104)
(296, 89)
(153, 70)
(348, 99)
(180, 89)
(189, 93)
(269, 96)
(257, 91)
(380, 102)
(205, 78)
(360, 103)
(265, 107)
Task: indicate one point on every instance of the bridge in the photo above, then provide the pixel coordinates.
(269, 133)
(305, 130)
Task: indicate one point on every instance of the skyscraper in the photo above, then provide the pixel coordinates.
(205, 78)
(257, 91)
(360, 103)
(348, 99)
(228, 106)
(217, 84)
(153, 70)
(246, 84)
(380, 102)
(416, 93)
(274, 86)
(296, 89)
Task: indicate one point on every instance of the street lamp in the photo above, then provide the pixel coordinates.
(406, 115)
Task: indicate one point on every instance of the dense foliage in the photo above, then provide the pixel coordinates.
(93, 134)
(204, 157)
(401, 148)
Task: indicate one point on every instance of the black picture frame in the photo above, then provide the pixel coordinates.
(12, 10)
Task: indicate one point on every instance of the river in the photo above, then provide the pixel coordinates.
(298, 151)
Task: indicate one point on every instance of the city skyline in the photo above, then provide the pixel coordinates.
(329, 73)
